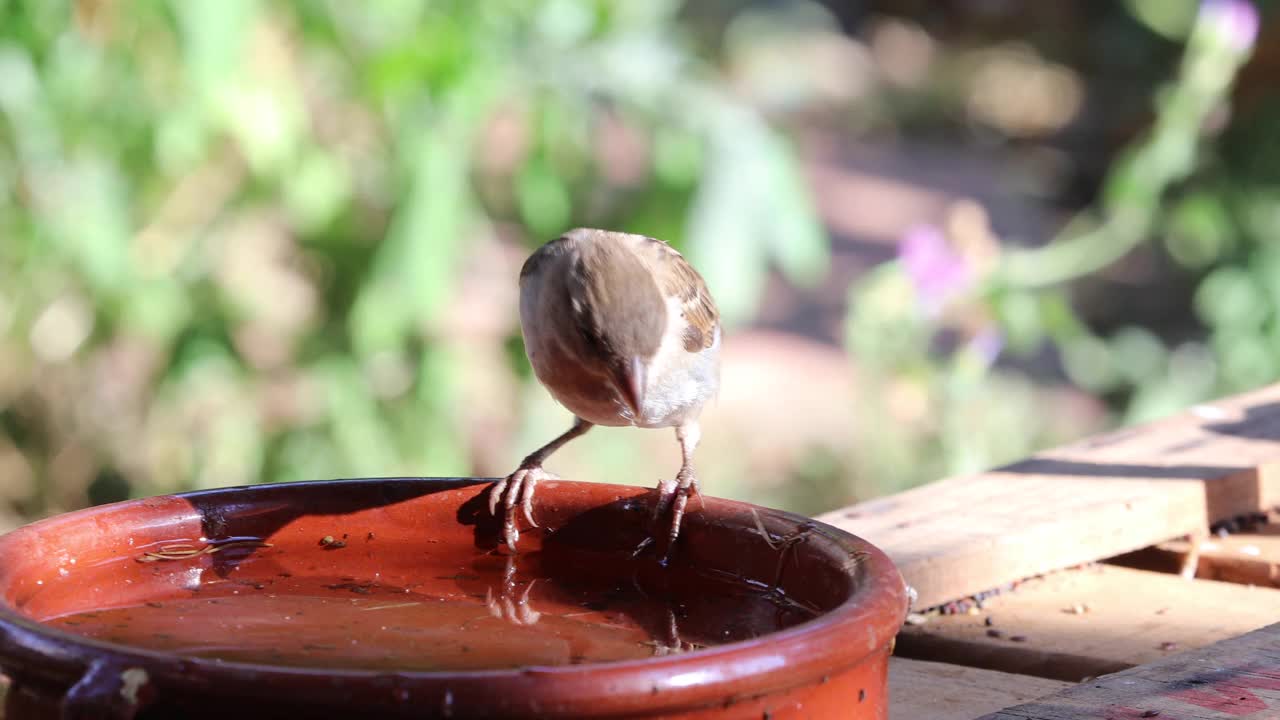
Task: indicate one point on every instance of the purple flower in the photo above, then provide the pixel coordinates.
(1235, 21)
(937, 272)
(987, 344)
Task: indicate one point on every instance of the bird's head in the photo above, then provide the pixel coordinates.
(619, 312)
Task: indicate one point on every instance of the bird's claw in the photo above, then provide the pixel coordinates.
(673, 496)
(666, 492)
(516, 490)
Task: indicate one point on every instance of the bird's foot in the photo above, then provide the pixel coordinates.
(673, 496)
(669, 490)
(666, 493)
(516, 490)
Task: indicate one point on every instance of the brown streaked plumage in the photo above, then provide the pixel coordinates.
(622, 330)
(680, 280)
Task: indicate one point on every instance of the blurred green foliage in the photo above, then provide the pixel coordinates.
(234, 231)
(1174, 188)
(246, 241)
(1173, 198)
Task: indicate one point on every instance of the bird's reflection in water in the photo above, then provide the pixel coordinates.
(665, 617)
(485, 611)
(509, 599)
(508, 602)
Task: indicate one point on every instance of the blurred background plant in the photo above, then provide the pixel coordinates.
(244, 241)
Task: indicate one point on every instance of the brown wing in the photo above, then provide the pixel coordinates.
(677, 278)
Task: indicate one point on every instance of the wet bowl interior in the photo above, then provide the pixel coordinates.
(394, 597)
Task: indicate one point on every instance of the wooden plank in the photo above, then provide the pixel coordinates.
(1234, 679)
(1087, 622)
(1251, 558)
(1094, 499)
(920, 690)
(966, 535)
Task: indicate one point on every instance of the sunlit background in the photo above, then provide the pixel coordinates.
(246, 241)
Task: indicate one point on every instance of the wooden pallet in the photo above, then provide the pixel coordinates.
(1089, 582)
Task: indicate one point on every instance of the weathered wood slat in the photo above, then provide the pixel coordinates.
(921, 690)
(1082, 623)
(1247, 558)
(1233, 679)
(1098, 498)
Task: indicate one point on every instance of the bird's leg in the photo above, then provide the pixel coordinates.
(517, 488)
(674, 494)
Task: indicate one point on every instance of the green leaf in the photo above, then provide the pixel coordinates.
(751, 209)
(1248, 360)
(1189, 380)
(677, 156)
(307, 454)
(417, 264)
(317, 190)
(1019, 314)
(1137, 354)
(1171, 19)
(1200, 231)
(357, 426)
(88, 215)
(723, 236)
(797, 238)
(440, 436)
(380, 320)
(1088, 363)
(543, 197)
(1230, 297)
(158, 307)
(214, 38)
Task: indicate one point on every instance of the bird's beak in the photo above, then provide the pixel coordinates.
(631, 383)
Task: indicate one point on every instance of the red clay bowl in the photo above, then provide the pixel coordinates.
(391, 598)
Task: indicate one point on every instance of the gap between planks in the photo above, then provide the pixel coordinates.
(1250, 558)
(1094, 499)
(1082, 623)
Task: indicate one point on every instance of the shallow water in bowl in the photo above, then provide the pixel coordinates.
(483, 611)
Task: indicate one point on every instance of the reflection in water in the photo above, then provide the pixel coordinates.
(512, 604)
(507, 604)
(670, 643)
(422, 612)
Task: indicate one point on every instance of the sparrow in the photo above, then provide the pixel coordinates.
(622, 331)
